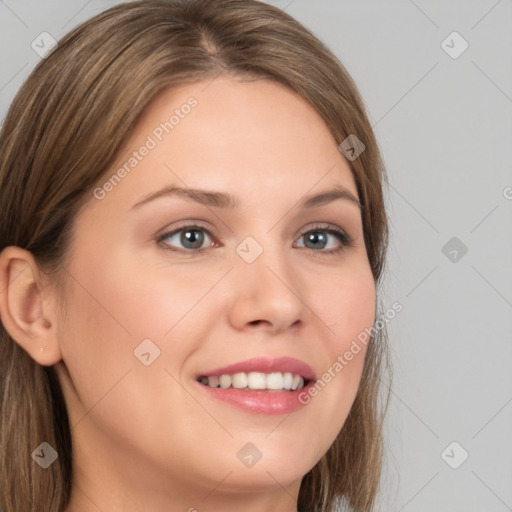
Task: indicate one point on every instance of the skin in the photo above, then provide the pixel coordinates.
(146, 437)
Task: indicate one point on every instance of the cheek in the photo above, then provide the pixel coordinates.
(116, 295)
(114, 302)
(347, 305)
(346, 308)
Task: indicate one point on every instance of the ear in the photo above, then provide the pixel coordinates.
(26, 311)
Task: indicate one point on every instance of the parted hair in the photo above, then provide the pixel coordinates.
(62, 133)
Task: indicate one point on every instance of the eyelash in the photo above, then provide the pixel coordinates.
(343, 238)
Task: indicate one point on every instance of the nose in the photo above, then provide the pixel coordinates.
(266, 295)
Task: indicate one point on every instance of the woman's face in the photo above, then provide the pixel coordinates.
(169, 281)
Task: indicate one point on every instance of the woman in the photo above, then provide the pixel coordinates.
(192, 234)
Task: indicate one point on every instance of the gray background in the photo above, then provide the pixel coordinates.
(445, 128)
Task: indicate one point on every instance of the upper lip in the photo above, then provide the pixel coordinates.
(264, 365)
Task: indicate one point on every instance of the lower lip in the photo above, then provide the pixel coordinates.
(260, 402)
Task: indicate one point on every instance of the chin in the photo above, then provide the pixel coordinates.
(270, 463)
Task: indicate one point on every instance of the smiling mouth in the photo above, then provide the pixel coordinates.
(256, 381)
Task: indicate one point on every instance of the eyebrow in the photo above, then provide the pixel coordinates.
(223, 200)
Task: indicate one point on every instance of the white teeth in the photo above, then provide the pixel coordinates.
(256, 380)
(275, 381)
(239, 380)
(214, 382)
(287, 380)
(296, 382)
(224, 381)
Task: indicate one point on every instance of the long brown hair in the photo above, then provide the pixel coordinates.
(64, 129)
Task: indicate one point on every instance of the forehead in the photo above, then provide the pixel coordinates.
(249, 138)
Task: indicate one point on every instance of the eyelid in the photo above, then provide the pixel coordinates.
(326, 226)
(187, 226)
(344, 239)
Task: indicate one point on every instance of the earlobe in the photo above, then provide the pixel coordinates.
(27, 317)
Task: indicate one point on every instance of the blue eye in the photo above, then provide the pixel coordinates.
(189, 237)
(329, 240)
